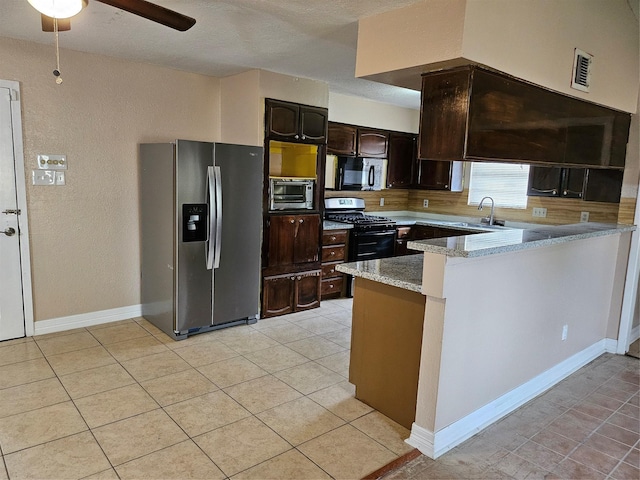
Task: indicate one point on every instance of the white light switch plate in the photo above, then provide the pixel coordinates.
(52, 162)
(48, 177)
(43, 177)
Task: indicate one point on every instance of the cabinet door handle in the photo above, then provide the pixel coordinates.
(299, 277)
(331, 285)
(292, 221)
(332, 271)
(332, 253)
(304, 137)
(333, 238)
(296, 136)
(301, 221)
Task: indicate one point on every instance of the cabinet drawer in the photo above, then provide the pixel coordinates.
(331, 286)
(332, 253)
(334, 237)
(329, 270)
(403, 232)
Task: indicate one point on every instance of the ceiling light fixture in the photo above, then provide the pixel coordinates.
(58, 8)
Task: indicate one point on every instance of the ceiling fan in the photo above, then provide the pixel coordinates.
(62, 10)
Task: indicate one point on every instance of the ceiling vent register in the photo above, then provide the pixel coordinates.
(581, 76)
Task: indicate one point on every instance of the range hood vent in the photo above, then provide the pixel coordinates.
(581, 75)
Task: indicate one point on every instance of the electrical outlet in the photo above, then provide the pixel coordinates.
(382, 201)
(584, 216)
(540, 212)
(565, 332)
(425, 203)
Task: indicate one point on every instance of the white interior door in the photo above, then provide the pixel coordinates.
(12, 312)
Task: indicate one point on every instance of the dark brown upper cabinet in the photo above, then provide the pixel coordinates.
(354, 141)
(342, 139)
(439, 175)
(589, 184)
(603, 185)
(292, 122)
(556, 182)
(402, 155)
(373, 143)
(470, 113)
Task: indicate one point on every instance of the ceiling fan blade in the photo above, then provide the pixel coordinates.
(64, 24)
(154, 12)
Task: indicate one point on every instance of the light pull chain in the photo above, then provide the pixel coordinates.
(56, 72)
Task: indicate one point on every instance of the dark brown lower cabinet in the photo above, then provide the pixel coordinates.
(425, 232)
(292, 292)
(334, 249)
(403, 235)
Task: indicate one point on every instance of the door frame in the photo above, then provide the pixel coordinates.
(21, 195)
(630, 295)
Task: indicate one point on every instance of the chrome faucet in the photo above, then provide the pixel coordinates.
(492, 208)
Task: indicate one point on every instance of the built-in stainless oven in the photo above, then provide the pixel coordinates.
(291, 193)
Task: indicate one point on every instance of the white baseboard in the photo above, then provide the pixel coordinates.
(435, 444)
(86, 319)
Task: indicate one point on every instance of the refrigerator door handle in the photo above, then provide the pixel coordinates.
(210, 246)
(218, 244)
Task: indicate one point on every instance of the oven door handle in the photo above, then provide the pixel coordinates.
(375, 234)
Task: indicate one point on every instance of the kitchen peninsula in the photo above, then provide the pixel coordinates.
(452, 339)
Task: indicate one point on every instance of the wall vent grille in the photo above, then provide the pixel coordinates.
(581, 75)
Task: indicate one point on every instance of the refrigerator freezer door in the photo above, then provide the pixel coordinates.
(192, 279)
(236, 281)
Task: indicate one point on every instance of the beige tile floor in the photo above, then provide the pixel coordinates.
(586, 427)
(272, 400)
(122, 400)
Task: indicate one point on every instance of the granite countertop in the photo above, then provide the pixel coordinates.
(509, 240)
(329, 225)
(406, 271)
(403, 272)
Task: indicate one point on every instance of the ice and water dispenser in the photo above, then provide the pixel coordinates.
(194, 222)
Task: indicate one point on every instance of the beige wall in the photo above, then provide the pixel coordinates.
(242, 113)
(530, 39)
(421, 34)
(492, 343)
(535, 40)
(84, 236)
(369, 113)
(243, 101)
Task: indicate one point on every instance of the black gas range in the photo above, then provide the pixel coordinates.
(371, 237)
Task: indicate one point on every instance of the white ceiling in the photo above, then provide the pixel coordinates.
(305, 38)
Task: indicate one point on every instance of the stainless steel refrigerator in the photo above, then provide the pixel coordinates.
(200, 222)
